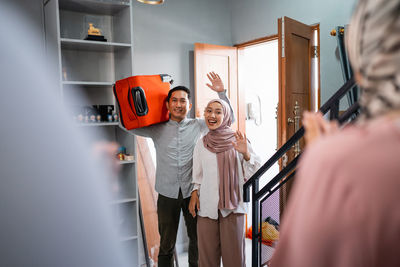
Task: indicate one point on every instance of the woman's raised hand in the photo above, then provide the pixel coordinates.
(216, 82)
(241, 145)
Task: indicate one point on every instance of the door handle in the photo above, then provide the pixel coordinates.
(296, 122)
(284, 160)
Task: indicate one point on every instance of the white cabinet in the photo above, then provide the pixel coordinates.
(87, 71)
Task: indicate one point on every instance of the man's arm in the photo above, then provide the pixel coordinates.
(147, 131)
(218, 86)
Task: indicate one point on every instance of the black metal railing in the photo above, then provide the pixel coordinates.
(259, 196)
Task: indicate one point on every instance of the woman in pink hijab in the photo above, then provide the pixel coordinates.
(222, 161)
(344, 210)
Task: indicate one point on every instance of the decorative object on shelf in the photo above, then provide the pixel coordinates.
(122, 149)
(115, 117)
(64, 74)
(80, 118)
(151, 2)
(87, 113)
(94, 34)
(121, 153)
(129, 157)
(104, 111)
(121, 156)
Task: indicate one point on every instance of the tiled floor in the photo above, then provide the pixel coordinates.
(183, 257)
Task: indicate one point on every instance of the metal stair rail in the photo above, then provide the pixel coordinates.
(260, 195)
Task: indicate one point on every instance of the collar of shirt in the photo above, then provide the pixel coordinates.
(181, 123)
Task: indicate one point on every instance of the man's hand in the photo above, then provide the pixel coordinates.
(216, 82)
(194, 203)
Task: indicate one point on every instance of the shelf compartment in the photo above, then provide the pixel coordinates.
(124, 200)
(88, 84)
(127, 181)
(97, 124)
(130, 247)
(93, 67)
(126, 161)
(115, 28)
(94, 6)
(87, 95)
(88, 66)
(85, 45)
(129, 238)
(126, 219)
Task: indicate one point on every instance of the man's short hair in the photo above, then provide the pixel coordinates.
(178, 88)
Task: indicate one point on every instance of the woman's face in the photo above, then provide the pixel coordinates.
(214, 115)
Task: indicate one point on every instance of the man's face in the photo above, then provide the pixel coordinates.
(178, 105)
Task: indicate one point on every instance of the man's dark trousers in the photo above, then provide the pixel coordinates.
(168, 210)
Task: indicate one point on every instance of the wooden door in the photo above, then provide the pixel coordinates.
(295, 53)
(221, 60)
(146, 177)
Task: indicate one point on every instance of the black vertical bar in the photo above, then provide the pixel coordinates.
(254, 234)
(342, 54)
(349, 69)
(260, 235)
(334, 111)
(344, 62)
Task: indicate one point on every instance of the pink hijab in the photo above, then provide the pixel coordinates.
(219, 141)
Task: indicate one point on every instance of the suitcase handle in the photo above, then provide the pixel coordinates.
(166, 78)
(139, 101)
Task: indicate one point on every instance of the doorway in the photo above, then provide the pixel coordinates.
(258, 71)
(258, 77)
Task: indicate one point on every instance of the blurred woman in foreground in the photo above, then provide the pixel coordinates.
(344, 208)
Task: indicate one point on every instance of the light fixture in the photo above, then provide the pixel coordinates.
(151, 2)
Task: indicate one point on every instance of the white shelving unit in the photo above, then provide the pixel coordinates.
(88, 70)
(87, 45)
(88, 84)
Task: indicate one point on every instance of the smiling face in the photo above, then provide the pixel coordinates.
(178, 105)
(214, 115)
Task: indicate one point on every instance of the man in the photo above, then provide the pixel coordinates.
(174, 142)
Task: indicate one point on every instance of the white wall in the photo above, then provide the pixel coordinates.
(32, 11)
(253, 19)
(164, 35)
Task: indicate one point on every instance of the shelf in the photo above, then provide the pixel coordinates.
(129, 238)
(124, 200)
(88, 72)
(126, 161)
(101, 7)
(115, 123)
(85, 45)
(88, 84)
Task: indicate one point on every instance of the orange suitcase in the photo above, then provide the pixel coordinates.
(141, 100)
